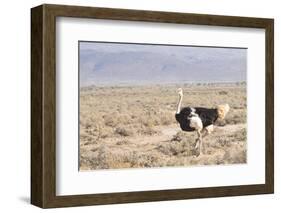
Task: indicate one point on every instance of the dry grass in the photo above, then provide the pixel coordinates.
(132, 127)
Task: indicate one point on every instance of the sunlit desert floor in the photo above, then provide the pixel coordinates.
(135, 127)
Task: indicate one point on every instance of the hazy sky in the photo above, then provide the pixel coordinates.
(113, 63)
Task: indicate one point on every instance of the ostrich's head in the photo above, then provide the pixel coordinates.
(223, 110)
(180, 92)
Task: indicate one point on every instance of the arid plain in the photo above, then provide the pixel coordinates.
(135, 126)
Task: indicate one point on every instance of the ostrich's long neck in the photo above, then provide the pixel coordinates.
(179, 104)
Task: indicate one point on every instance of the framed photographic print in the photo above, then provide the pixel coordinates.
(136, 106)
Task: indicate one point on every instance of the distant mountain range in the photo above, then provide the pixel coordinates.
(105, 63)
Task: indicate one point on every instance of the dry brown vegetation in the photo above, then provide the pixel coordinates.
(132, 127)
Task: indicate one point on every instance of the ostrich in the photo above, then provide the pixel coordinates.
(199, 119)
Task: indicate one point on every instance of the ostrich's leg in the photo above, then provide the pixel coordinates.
(199, 142)
(208, 130)
(205, 132)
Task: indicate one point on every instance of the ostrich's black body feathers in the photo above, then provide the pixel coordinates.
(207, 116)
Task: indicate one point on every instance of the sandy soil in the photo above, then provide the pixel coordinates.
(215, 146)
(135, 127)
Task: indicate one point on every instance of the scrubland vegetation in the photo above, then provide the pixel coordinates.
(135, 126)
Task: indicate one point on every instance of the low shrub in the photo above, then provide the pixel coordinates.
(122, 131)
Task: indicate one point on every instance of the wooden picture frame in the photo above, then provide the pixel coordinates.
(43, 105)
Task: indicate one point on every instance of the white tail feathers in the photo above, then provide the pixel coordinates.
(222, 110)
